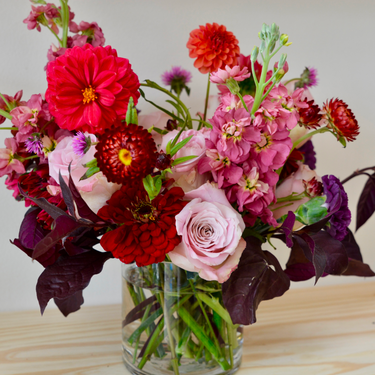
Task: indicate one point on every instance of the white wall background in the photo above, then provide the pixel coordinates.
(336, 37)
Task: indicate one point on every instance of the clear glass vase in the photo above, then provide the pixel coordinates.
(175, 323)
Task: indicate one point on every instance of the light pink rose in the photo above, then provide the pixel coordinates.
(211, 233)
(196, 146)
(293, 184)
(63, 155)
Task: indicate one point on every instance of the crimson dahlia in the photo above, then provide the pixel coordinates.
(148, 229)
(89, 88)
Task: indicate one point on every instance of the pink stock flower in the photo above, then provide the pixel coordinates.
(12, 101)
(229, 101)
(273, 150)
(224, 172)
(221, 76)
(211, 233)
(44, 15)
(254, 192)
(8, 162)
(233, 135)
(53, 53)
(90, 33)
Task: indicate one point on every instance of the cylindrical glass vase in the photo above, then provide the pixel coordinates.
(175, 323)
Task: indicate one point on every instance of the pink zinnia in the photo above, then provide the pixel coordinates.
(89, 88)
(221, 76)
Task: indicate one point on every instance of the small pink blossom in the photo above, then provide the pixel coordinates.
(229, 101)
(8, 162)
(211, 233)
(221, 76)
(233, 135)
(90, 33)
(12, 101)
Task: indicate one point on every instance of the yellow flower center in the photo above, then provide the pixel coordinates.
(88, 95)
(124, 156)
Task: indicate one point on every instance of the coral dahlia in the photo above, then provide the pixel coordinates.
(148, 229)
(341, 119)
(126, 152)
(213, 47)
(89, 88)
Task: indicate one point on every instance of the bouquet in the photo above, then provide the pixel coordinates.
(184, 200)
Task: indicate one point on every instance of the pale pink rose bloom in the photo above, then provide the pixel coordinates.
(158, 120)
(293, 184)
(221, 76)
(189, 181)
(63, 155)
(196, 146)
(211, 233)
(7, 162)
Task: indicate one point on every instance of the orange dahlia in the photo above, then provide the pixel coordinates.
(126, 153)
(213, 47)
(341, 119)
(147, 229)
(89, 88)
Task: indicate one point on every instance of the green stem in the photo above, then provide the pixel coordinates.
(6, 102)
(308, 135)
(183, 106)
(291, 80)
(65, 22)
(207, 96)
(242, 101)
(20, 158)
(201, 123)
(174, 359)
(230, 345)
(11, 128)
(205, 316)
(57, 37)
(5, 114)
(254, 75)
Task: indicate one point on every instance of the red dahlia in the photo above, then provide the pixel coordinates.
(89, 88)
(341, 119)
(148, 229)
(126, 152)
(213, 47)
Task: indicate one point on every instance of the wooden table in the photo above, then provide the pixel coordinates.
(317, 331)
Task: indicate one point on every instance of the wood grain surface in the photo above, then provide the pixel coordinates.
(314, 331)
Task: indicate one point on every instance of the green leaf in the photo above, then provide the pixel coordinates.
(131, 113)
(161, 108)
(179, 145)
(152, 185)
(342, 140)
(183, 159)
(159, 131)
(312, 211)
(92, 163)
(168, 148)
(178, 108)
(90, 172)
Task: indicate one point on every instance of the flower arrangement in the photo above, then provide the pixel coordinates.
(200, 194)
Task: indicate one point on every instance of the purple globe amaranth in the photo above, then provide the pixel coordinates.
(337, 206)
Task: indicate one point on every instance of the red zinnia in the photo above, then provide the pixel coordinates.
(341, 119)
(89, 88)
(148, 229)
(127, 152)
(213, 47)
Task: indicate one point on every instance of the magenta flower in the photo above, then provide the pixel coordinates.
(233, 135)
(177, 78)
(229, 101)
(13, 102)
(81, 143)
(90, 33)
(34, 144)
(221, 76)
(308, 78)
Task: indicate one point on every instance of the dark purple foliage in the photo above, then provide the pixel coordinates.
(258, 277)
(366, 202)
(337, 206)
(308, 152)
(70, 304)
(287, 228)
(69, 275)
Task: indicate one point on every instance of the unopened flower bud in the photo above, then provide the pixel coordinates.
(163, 161)
(233, 86)
(284, 39)
(254, 54)
(171, 125)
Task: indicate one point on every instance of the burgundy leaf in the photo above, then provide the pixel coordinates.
(31, 232)
(329, 255)
(351, 246)
(83, 209)
(80, 244)
(51, 209)
(366, 202)
(70, 304)
(69, 275)
(64, 226)
(258, 277)
(287, 228)
(46, 259)
(67, 195)
(300, 271)
(138, 311)
(358, 268)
